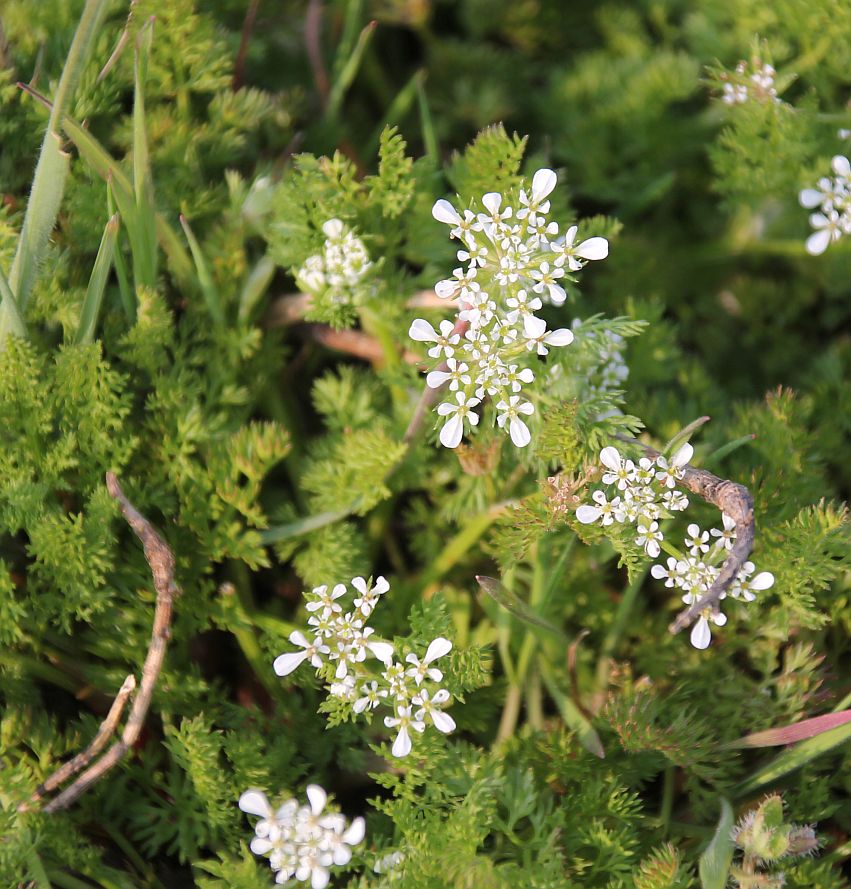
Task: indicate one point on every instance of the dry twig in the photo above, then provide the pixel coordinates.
(736, 501)
(161, 561)
(291, 308)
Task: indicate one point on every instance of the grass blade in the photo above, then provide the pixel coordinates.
(97, 283)
(516, 606)
(205, 279)
(795, 757)
(791, 734)
(684, 435)
(145, 240)
(256, 284)
(715, 862)
(571, 714)
(303, 526)
(12, 315)
(349, 71)
(427, 124)
(128, 299)
(51, 169)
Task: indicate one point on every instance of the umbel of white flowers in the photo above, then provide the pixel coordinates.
(646, 493)
(340, 267)
(301, 841)
(337, 645)
(832, 199)
(513, 262)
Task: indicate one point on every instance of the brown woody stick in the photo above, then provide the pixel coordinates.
(736, 501)
(291, 308)
(161, 561)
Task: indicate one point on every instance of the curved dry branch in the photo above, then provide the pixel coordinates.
(160, 558)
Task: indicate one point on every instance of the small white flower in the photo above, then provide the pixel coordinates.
(455, 374)
(325, 600)
(508, 412)
(403, 721)
(420, 669)
(284, 664)
(745, 589)
(701, 634)
(368, 598)
(430, 707)
(674, 501)
(672, 575)
(607, 510)
(538, 337)
(395, 675)
(696, 542)
(649, 536)
(446, 340)
(621, 472)
(727, 535)
(372, 696)
(453, 430)
(668, 475)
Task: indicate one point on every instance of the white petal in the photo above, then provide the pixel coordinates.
(810, 198)
(355, 833)
(682, 456)
(260, 845)
(382, 650)
(817, 243)
(762, 581)
(284, 664)
(533, 326)
(492, 200)
(317, 797)
(297, 638)
(560, 337)
(543, 182)
(342, 855)
(593, 248)
(841, 166)
(719, 619)
(557, 294)
(422, 331)
(701, 635)
(446, 289)
(610, 458)
(443, 211)
(333, 228)
(519, 432)
(526, 408)
(438, 648)
(443, 722)
(441, 696)
(437, 378)
(586, 514)
(402, 744)
(254, 802)
(319, 878)
(452, 432)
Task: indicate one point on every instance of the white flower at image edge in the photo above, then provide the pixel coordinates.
(453, 430)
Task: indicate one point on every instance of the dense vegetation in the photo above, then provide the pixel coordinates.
(208, 285)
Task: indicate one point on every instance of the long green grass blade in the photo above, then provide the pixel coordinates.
(50, 172)
(97, 284)
(145, 236)
(205, 279)
(715, 862)
(793, 758)
(516, 606)
(303, 526)
(256, 284)
(11, 311)
(349, 71)
(571, 714)
(429, 133)
(128, 298)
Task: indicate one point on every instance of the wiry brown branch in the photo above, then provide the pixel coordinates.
(736, 501)
(292, 307)
(161, 561)
(353, 342)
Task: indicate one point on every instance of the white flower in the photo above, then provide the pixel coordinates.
(430, 707)
(696, 542)
(832, 197)
(672, 575)
(668, 475)
(508, 413)
(396, 678)
(453, 430)
(284, 664)
(743, 588)
(725, 536)
(649, 536)
(446, 341)
(674, 501)
(621, 472)
(403, 721)
(701, 634)
(372, 696)
(591, 249)
(608, 511)
(325, 600)
(455, 374)
(368, 598)
(436, 649)
(537, 336)
(344, 688)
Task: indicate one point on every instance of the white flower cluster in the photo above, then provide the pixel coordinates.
(340, 267)
(832, 197)
(647, 491)
(338, 646)
(696, 572)
(300, 841)
(748, 84)
(515, 261)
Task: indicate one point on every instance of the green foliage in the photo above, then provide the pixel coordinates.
(273, 456)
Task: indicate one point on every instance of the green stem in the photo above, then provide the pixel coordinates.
(616, 630)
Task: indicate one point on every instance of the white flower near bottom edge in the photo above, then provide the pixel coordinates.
(701, 634)
(517, 429)
(403, 720)
(453, 430)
